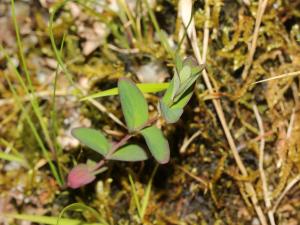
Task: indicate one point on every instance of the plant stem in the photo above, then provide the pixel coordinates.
(119, 144)
(122, 142)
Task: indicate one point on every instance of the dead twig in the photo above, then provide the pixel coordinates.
(104, 110)
(249, 187)
(186, 143)
(286, 190)
(200, 180)
(260, 12)
(281, 76)
(41, 94)
(261, 166)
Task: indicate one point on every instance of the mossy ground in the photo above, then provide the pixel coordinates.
(202, 183)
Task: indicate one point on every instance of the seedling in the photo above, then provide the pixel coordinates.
(135, 111)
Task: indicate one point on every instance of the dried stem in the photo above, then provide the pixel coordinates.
(281, 76)
(122, 142)
(286, 190)
(260, 12)
(187, 142)
(249, 187)
(261, 166)
(297, 178)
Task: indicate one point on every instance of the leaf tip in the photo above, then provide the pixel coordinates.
(165, 160)
(80, 176)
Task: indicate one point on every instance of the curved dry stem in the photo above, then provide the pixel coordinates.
(260, 13)
(217, 104)
(263, 178)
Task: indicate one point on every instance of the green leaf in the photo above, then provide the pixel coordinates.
(144, 87)
(197, 69)
(47, 219)
(92, 138)
(167, 98)
(146, 197)
(185, 73)
(176, 84)
(184, 99)
(157, 144)
(185, 86)
(169, 114)
(190, 61)
(13, 158)
(134, 105)
(178, 63)
(130, 153)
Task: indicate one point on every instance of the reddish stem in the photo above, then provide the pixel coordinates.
(122, 142)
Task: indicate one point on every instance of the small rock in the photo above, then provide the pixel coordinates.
(153, 72)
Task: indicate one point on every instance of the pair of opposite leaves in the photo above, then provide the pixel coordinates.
(135, 110)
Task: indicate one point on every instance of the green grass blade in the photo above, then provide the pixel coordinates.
(52, 39)
(124, 7)
(80, 207)
(33, 129)
(54, 124)
(146, 197)
(13, 150)
(30, 88)
(144, 88)
(135, 196)
(11, 157)
(47, 219)
(161, 34)
(20, 46)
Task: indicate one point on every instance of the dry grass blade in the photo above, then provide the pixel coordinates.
(297, 178)
(199, 179)
(187, 142)
(249, 187)
(185, 12)
(261, 165)
(286, 190)
(41, 94)
(260, 13)
(281, 76)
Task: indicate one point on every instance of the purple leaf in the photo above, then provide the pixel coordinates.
(79, 176)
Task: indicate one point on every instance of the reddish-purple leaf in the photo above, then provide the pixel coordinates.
(79, 176)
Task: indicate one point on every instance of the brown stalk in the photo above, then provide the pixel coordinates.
(217, 104)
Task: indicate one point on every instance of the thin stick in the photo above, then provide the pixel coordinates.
(249, 187)
(286, 190)
(285, 75)
(199, 179)
(189, 141)
(261, 165)
(291, 125)
(247, 2)
(41, 94)
(260, 12)
(99, 106)
(297, 178)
